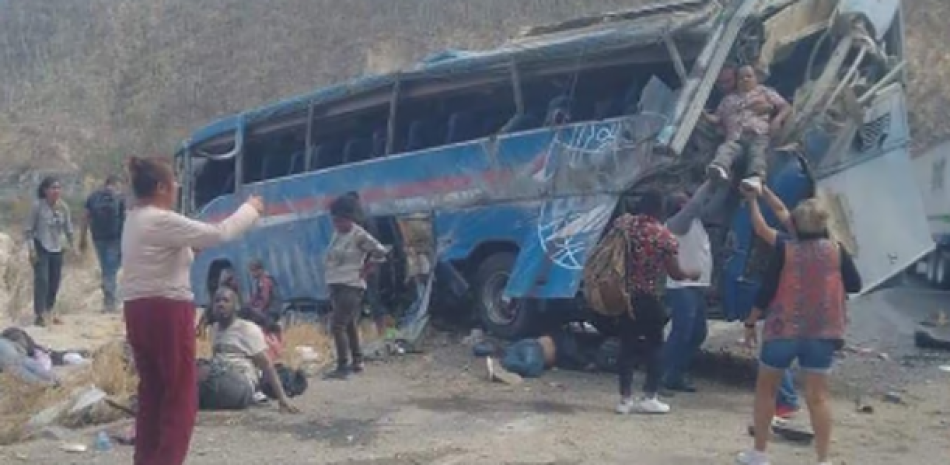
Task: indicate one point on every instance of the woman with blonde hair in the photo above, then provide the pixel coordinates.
(802, 297)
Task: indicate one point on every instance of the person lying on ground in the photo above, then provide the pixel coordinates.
(233, 375)
(47, 357)
(750, 117)
(15, 362)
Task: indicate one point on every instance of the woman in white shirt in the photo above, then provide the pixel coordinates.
(159, 310)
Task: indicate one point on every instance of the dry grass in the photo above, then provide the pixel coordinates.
(109, 372)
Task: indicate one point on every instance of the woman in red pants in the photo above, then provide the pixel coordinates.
(159, 310)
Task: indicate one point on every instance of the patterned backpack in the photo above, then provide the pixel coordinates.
(605, 276)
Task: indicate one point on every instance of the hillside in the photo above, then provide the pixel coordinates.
(82, 83)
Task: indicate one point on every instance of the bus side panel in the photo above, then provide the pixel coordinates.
(556, 246)
(460, 233)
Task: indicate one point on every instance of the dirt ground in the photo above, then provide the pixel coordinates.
(438, 408)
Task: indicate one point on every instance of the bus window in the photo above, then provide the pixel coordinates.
(270, 156)
(214, 178)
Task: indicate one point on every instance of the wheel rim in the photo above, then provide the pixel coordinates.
(498, 311)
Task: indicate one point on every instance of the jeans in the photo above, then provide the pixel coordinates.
(787, 397)
(642, 336)
(689, 330)
(47, 274)
(110, 258)
(813, 355)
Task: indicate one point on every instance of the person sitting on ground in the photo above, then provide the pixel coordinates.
(802, 296)
(233, 375)
(264, 298)
(746, 117)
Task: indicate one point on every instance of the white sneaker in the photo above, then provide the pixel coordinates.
(752, 457)
(717, 172)
(652, 405)
(753, 183)
(625, 406)
(825, 463)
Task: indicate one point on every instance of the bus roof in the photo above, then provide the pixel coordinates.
(604, 34)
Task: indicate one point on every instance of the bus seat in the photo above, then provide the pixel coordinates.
(357, 149)
(559, 111)
(606, 109)
(462, 127)
(379, 144)
(519, 123)
(325, 155)
(420, 133)
(493, 123)
(297, 163)
(631, 100)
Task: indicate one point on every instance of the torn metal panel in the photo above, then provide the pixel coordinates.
(551, 261)
(880, 13)
(794, 23)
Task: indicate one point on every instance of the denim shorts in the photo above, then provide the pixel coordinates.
(813, 355)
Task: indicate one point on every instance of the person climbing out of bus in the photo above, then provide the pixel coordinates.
(239, 359)
(48, 234)
(653, 257)
(803, 299)
(265, 299)
(687, 299)
(787, 404)
(746, 116)
(105, 217)
(350, 258)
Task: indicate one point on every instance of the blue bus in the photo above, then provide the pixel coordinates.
(494, 173)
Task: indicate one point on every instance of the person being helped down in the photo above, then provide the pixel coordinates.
(240, 357)
(746, 118)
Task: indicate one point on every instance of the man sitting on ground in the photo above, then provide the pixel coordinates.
(229, 380)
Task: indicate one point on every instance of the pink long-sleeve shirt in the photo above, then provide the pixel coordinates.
(157, 249)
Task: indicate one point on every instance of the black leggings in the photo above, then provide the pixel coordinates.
(642, 337)
(47, 273)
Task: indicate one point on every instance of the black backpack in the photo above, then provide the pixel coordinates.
(106, 215)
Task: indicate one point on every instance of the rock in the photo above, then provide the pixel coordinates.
(893, 397)
(56, 433)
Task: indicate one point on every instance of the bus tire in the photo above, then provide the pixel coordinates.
(509, 320)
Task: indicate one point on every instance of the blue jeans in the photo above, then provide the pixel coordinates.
(110, 259)
(787, 397)
(813, 355)
(689, 329)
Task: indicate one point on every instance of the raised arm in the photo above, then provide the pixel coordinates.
(174, 230)
(778, 208)
(696, 207)
(761, 228)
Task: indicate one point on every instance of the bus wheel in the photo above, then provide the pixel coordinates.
(502, 317)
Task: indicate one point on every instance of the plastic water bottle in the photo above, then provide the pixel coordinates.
(103, 443)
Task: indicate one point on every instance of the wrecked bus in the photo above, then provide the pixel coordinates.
(494, 173)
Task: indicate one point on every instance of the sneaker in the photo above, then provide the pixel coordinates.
(717, 172)
(785, 412)
(260, 398)
(625, 406)
(652, 405)
(753, 183)
(752, 457)
(357, 367)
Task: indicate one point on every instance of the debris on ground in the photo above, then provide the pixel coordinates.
(893, 398)
(861, 405)
(499, 374)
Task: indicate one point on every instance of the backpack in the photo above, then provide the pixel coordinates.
(105, 215)
(605, 276)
